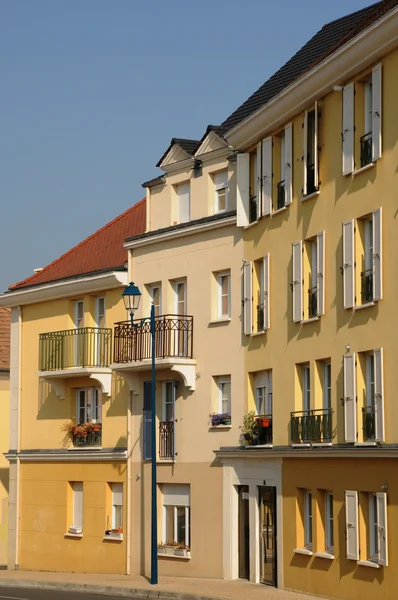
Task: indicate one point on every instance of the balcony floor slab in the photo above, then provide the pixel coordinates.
(186, 367)
(58, 378)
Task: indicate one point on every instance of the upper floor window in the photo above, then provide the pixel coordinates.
(100, 312)
(155, 294)
(220, 181)
(308, 267)
(362, 103)
(310, 154)
(89, 405)
(79, 314)
(183, 202)
(224, 295)
(256, 289)
(224, 394)
(263, 392)
(306, 387)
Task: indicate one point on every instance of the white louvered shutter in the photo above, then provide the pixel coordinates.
(242, 188)
(377, 254)
(247, 298)
(320, 279)
(348, 129)
(381, 499)
(266, 287)
(288, 163)
(259, 182)
(379, 395)
(351, 524)
(348, 265)
(297, 282)
(350, 401)
(316, 141)
(305, 152)
(376, 109)
(267, 176)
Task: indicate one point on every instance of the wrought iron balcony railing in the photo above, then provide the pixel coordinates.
(80, 347)
(260, 317)
(280, 195)
(85, 439)
(369, 423)
(367, 286)
(253, 213)
(173, 339)
(311, 179)
(311, 426)
(166, 439)
(264, 429)
(366, 149)
(312, 303)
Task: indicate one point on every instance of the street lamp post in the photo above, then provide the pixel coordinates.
(131, 297)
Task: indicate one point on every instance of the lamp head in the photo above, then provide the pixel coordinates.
(131, 297)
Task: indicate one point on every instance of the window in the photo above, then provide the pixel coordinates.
(378, 550)
(101, 338)
(155, 294)
(263, 392)
(306, 387)
(77, 507)
(329, 534)
(327, 385)
(224, 295)
(224, 394)
(100, 312)
(117, 505)
(220, 181)
(308, 520)
(176, 514)
(183, 202)
(361, 135)
(310, 154)
(79, 314)
(89, 405)
(166, 425)
(257, 287)
(308, 261)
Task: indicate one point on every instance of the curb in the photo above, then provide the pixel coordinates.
(105, 590)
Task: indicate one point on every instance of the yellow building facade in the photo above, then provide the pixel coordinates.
(4, 426)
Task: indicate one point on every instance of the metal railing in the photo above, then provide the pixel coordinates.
(366, 149)
(260, 317)
(369, 423)
(264, 429)
(366, 286)
(253, 213)
(311, 179)
(311, 426)
(92, 438)
(80, 347)
(166, 439)
(173, 338)
(280, 195)
(312, 303)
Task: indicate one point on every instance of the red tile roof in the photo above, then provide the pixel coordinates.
(101, 251)
(5, 315)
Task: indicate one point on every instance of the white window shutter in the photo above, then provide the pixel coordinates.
(376, 108)
(288, 163)
(297, 283)
(266, 285)
(351, 524)
(259, 182)
(377, 255)
(267, 176)
(247, 298)
(320, 279)
(316, 158)
(350, 400)
(348, 129)
(379, 394)
(305, 152)
(381, 499)
(348, 265)
(242, 188)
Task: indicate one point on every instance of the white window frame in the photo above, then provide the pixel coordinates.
(98, 312)
(368, 108)
(306, 374)
(92, 405)
(373, 529)
(117, 501)
(222, 185)
(308, 520)
(79, 320)
(327, 384)
(378, 538)
(224, 382)
(183, 503)
(220, 277)
(176, 301)
(152, 288)
(329, 523)
(77, 503)
(263, 391)
(183, 218)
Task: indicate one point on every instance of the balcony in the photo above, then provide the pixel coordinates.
(264, 429)
(78, 352)
(166, 440)
(312, 303)
(366, 286)
(280, 195)
(253, 209)
(87, 435)
(366, 149)
(369, 423)
(311, 426)
(132, 349)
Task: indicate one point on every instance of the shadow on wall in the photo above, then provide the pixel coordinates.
(50, 406)
(5, 480)
(119, 398)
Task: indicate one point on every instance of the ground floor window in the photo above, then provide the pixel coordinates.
(308, 519)
(176, 526)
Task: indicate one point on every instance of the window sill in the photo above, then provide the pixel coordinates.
(366, 444)
(362, 169)
(303, 445)
(312, 320)
(263, 446)
(82, 448)
(73, 535)
(310, 196)
(220, 321)
(251, 224)
(326, 555)
(174, 556)
(367, 305)
(214, 427)
(368, 563)
(113, 537)
(304, 551)
(322, 444)
(279, 211)
(256, 333)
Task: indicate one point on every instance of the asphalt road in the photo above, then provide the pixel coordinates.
(20, 593)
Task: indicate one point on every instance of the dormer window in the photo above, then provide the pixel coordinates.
(220, 180)
(183, 202)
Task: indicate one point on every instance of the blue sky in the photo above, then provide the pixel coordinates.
(93, 90)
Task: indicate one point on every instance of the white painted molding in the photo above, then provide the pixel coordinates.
(58, 378)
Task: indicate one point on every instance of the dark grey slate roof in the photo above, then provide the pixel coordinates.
(209, 219)
(331, 37)
(189, 146)
(155, 181)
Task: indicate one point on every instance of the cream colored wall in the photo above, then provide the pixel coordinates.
(44, 518)
(4, 467)
(163, 199)
(340, 199)
(43, 413)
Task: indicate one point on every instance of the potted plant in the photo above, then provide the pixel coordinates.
(249, 428)
(170, 547)
(220, 419)
(162, 548)
(263, 421)
(182, 550)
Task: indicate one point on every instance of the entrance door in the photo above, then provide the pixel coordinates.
(244, 532)
(268, 535)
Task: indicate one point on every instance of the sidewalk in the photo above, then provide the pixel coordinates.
(176, 588)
